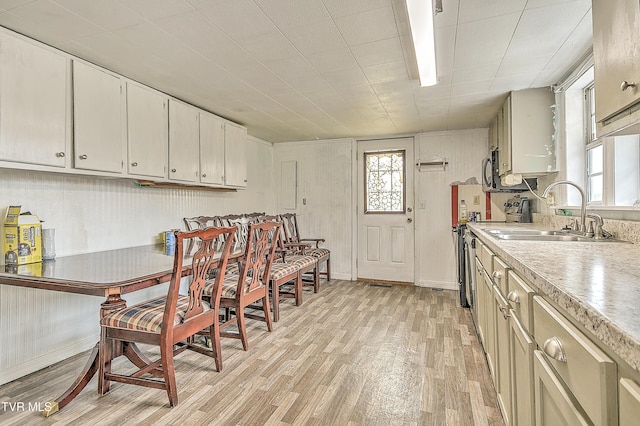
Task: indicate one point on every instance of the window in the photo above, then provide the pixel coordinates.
(384, 182)
(595, 150)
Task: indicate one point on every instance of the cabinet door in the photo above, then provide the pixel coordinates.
(616, 49)
(629, 402)
(98, 119)
(184, 142)
(211, 149)
(490, 326)
(147, 131)
(554, 405)
(480, 303)
(235, 155)
(33, 103)
(504, 138)
(502, 357)
(522, 347)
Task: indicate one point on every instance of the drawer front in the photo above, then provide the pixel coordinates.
(587, 371)
(629, 402)
(554, 405)
(520, 297)
(487, 259)
(499, 275)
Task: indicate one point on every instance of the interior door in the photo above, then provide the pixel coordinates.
(385, 210)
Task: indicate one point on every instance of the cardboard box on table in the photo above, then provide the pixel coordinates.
(22, 237)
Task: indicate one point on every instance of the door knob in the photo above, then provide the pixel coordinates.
(409, 220)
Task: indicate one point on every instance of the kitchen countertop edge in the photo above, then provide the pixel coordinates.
(624, 341)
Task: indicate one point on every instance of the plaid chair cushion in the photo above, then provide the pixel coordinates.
(281, 270)
(318, 253)
(147, 316)
(229, 286)
(302, 261)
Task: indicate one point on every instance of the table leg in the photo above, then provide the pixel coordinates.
(90, 368)
(112, 303)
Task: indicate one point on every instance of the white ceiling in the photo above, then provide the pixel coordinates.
(317, 69)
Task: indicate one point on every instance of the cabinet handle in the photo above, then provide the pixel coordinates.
(134, 164)
(625, 85)
(553, 348)
(513, 296)
(59, 154)
(173, 170)
(204, 175)
(497, 275)
(83, 157)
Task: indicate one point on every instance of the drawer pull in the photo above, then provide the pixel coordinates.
(83, 157)
(625, 85)
(553, 348)
(513, 296)
(497, 275)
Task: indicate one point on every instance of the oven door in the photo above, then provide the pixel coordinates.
(470, 272)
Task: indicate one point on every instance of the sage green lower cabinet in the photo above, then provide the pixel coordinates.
(502, 359)
(521, 351)
(588, 373)
(554, 405)
(629, 397)
(490, 326)
(480, 301)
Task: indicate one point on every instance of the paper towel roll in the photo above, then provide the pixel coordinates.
(510, 180)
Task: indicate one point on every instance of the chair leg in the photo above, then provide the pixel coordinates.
(275, 296)
(316, 279)
(104, 360)
(169, 372)
(328, 268)
(242, 329)
(267, 311)
(297, 290)
(214, 336)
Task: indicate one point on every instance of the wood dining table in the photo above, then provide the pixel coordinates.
(109, 274)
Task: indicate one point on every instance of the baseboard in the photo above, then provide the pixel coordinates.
(336, 276)
(445, 285)
(34, 364)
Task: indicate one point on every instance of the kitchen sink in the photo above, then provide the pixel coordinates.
(544, 235)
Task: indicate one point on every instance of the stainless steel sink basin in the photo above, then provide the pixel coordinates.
(544, 235)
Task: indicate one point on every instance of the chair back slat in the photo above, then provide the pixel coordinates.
(259, 254)
(209, 251)
(290, 225)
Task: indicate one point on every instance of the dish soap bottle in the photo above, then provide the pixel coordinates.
(463, 212)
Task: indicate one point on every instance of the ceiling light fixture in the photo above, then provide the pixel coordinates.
(421, 23)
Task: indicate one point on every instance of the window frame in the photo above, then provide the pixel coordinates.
(404, 181)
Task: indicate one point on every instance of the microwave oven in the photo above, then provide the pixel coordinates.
(491, 177)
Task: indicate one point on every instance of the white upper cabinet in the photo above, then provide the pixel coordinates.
(147, 131)
(235, 155)
(33, 103)
(616, 49)
(184, 142)
(211, 149)
(98, 111)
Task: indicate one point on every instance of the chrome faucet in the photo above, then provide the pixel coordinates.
(583, 205)
(598, 233)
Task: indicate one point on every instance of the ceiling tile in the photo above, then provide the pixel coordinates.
(317, 37)
(378, 52)
(156, 9)
(345, 79)
(106, 14)
(238, 19)
(289, 13)
(335, 60)
(478, 10)
(340, 8)
(386, 72)
(367, 27)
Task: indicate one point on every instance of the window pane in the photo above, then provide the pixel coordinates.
(595, 160)
(595, 188)
(627, 170)
(384, 181)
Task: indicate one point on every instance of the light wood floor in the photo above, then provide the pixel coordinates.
(353, 354)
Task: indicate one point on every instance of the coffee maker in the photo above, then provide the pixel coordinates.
(518, 209)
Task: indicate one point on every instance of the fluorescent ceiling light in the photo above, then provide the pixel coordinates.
(421, 23)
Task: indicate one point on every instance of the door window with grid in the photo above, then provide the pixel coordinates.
(384, 182)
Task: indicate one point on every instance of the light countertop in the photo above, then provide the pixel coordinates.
(596, 283)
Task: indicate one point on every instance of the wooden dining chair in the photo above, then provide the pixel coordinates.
(292, 236)
(251, 284)
(169, 321)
